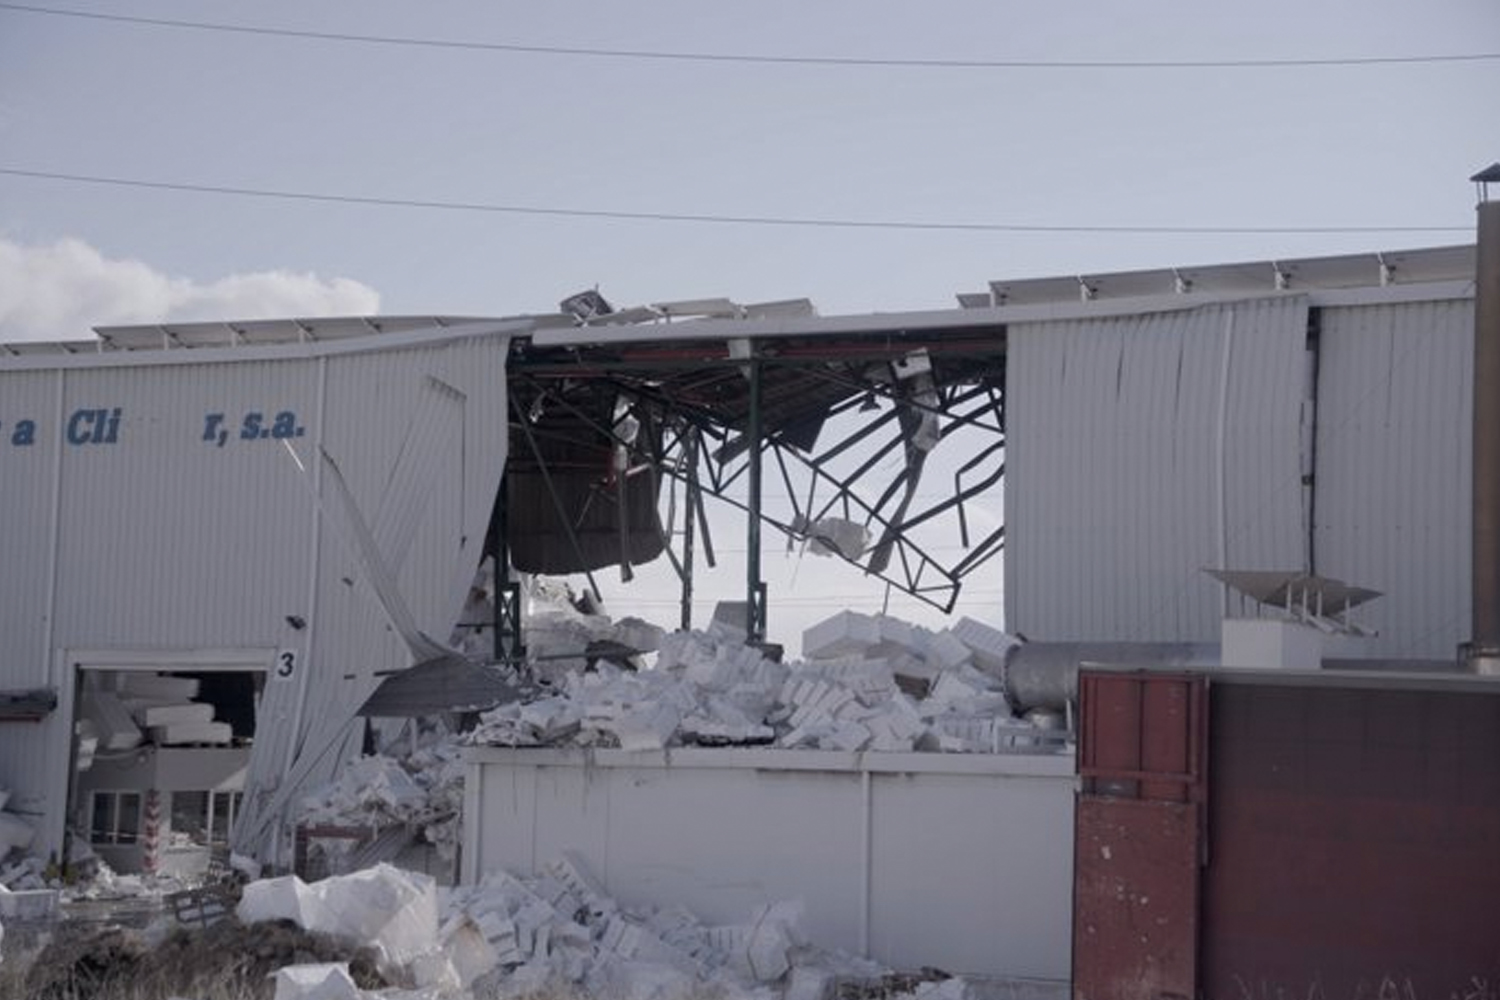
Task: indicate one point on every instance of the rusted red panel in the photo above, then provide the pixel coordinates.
(1354, 844)
(1139, 835)
(1142, 735)
(1135, 904)
(1111, 732)
(1167, 737)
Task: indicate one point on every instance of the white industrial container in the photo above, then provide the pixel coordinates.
(960, 861)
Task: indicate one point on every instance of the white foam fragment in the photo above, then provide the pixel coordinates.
(168, 688)
(639, 635)
(855, 692)
(829, 536)
(185, 713)
(761, 950)
(179, 733)
(286, 897)
(897, 637)
(956, 687)
(392, 910)
(15, 833)
(469, 953)
(989, 646)
(947, 652)
(321, 981)
(845, 633)
(116, 729)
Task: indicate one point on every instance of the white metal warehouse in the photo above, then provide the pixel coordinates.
(159, 488)
(157, 520)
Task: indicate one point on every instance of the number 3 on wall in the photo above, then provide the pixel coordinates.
(286, 664)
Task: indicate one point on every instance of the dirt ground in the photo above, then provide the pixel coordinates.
(228, 961)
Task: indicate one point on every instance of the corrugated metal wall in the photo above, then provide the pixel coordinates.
(1116, 497)
(184, 523)
(28, 477)
(166, 534)
(1393, 505)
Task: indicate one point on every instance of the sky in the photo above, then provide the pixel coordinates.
(880, 135)
(1222, 146)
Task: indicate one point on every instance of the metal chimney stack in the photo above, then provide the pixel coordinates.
(1482, 653)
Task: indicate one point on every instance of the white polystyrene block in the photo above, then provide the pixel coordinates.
(913, 667)
(989, 646)
(623, 980)
(639, 635)
(322, 981)
(766, 953)
(136, 685)
(286, 897)
(390, 908)
(117, 730)
(899, 636)
(954, 688)
(947, 651)
(845, 633)
(193, 732)
(185, 713)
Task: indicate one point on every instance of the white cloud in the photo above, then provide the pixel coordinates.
(61, 291)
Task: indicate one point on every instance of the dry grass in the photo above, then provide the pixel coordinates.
(229, 961)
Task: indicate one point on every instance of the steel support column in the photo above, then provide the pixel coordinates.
(1484, 648)
(509, 644)
(690, 508)
(755, 589)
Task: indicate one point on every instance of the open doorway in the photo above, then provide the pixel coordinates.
(160, 753)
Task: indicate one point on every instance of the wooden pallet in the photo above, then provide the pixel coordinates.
(203, 906)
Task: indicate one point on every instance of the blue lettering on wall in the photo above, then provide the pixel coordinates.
(254, 426)
(101, 425)
(94, 426)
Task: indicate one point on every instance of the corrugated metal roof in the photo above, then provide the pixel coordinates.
(1397, 267)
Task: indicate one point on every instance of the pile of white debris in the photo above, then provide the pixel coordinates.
(420, 787)
(515, 937)
(19, 870)
(867, 682)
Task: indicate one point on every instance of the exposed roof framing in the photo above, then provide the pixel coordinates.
(691, 406)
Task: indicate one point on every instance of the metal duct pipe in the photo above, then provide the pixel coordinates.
(1045, 674)
(1483, 652)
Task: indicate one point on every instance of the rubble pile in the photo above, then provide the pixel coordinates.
(228, 959)
(422, 789)
(559, 934)
(18, 870)
(868, 682)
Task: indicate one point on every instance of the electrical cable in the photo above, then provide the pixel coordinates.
(710, 218)
(730, 57)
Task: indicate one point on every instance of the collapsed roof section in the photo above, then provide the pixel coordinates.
(616, 427)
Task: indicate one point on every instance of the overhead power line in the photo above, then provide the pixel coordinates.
(741, 220)
(732, 57)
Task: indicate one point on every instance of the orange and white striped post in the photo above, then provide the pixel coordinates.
(151, 833)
